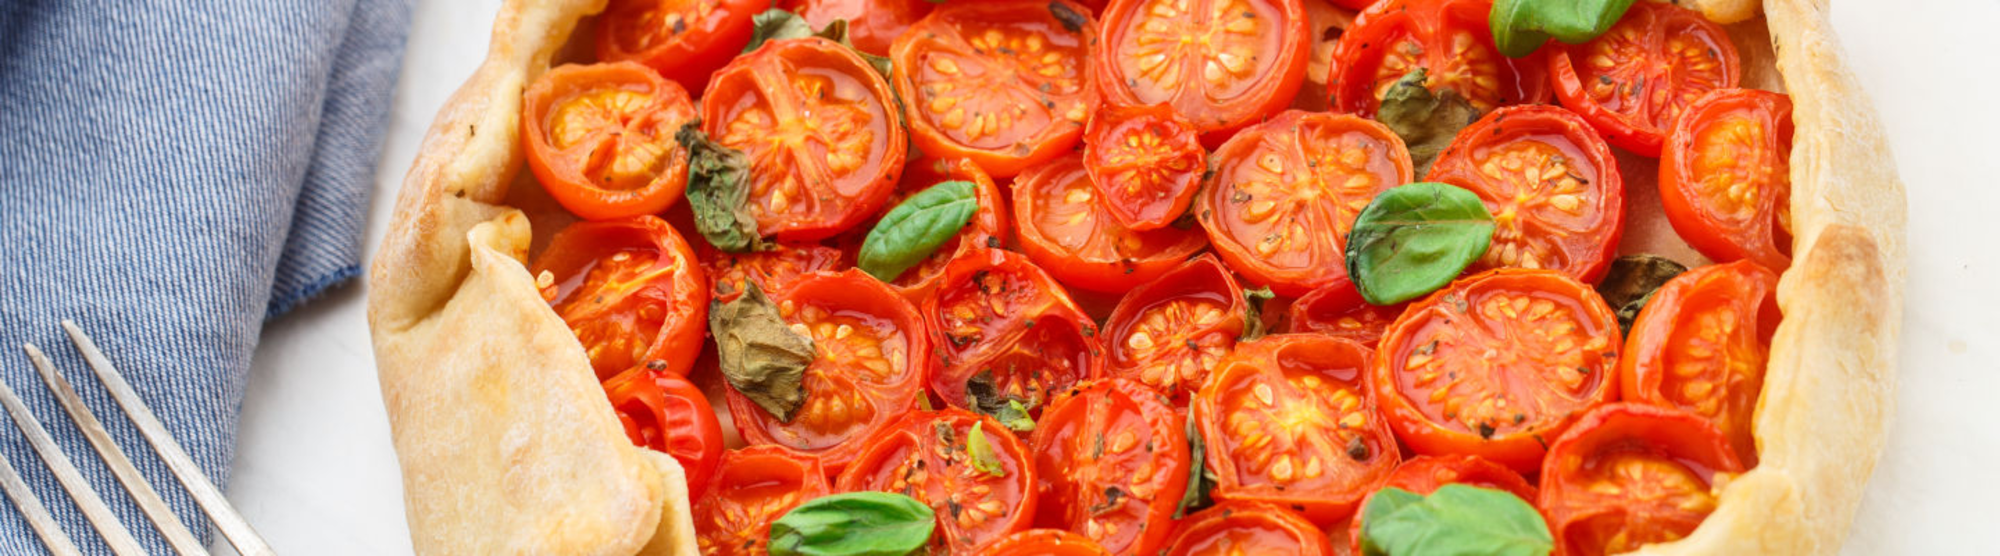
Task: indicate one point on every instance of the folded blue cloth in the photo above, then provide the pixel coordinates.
(172, 175)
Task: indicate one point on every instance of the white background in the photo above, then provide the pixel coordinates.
(315, 471)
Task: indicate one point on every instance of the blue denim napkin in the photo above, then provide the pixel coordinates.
(172, 174)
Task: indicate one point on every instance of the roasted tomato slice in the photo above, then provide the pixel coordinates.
(1233, 528)
(1146, 161)
(1285, 193)
(871, 357)
(1725, 177)
(630, 289)
(684, 39)
(1701, 344)
(1287, 420)
(1065, 228)
(774, 270)
(1169, 333)
(988, 229)
(819, 126)
(1630, 474)
(753, 487)
(1044, 542)
(924, 456)
(1222, 64)
(1337, 310)
(1634, 80)
(667, 413)
(1551, 183)
(872, 25)
(1006, 329)
(1497, 364)
(1424, 474)
(1447, 38)
(600, 138)
(1006, 83)
(1113, 458)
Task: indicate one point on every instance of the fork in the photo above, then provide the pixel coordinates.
(210, 499)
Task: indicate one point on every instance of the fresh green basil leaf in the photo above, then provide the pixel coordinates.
(1200, 480)
(1413, 239)
(718, 192)
(1427, 121)
(1631, 282)
(1456, 520)
(916, 228)
(854, 524)
(983, 395)
(760, 355)
(981, 453)
(1253, 316)
(1521, 26)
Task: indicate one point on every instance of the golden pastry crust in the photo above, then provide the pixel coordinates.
(459, 328)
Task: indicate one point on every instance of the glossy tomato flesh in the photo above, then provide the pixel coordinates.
(1147, 163)
(685, 40)
(1112, 457)
(600, 139)
(1222, 64)
(1629, 475)
(1550, 183)
(924, 456)
(665, 412)
(1701, 345)
(1065, 228)
(1633, 81)
(1000, 321)
(1006, 83)
(1725, 177)
(1248, 528)
(872, 25)
(751, 488)
(1338, 310)
(1448, 38)
(630, 290)
(1169, 333)
(1044, 542)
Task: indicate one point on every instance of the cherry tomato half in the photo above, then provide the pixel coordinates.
(753, 487)
(1496, 364)
(1424, 474)
(923, 456)
(772, 271)
(1337, 310)
(630, 290)
(1448, 38)
(1065, 228)
(819, 126)
(1169, 333)
(1222, 64)
(1147, 163)
(1000, 321)
(1551, 184)
(600, 139)
(1113, 460)
(685, 40)
(872, 25)
(667, 413)
(1628, 475)
(1232, 528)
(1006, 83)
(1701, 344)
(988, 228)
(1044, 542)
(1632, 81)
(1725, 177)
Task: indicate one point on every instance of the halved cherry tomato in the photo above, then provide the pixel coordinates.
(1631, 474)
(1633, 81)
(1725, 177)
(987, 229)
(819, 126)
(1424, 474)
(667, 413)
(753, 487)
(1222, 64)
(772, 271)
(1233, 528)
(600, 138)
(1044, 542)
(1701, 344)
(1065, 228)
(1169, 333)
(923, 456)
(1497, 364)
(1146, 162)
(630, 289)
(1287, 420)
(871, 360)
(1006, 83)
(1551, 184)
(1000, 320)
(1337, 310)
(1449, 38)
(685, 40)
(1285, 193)
(1113, 459)
(872, 25)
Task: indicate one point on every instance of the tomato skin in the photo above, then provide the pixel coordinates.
(1339, 311)
(668, 414)
(729, 274)
(1701, 345)
(612, 320)
(1044, 542)
(1279, 46)
(872, 25)
(923, 455)
(1105, 435)
(629, 30)
(1601, 88)
(1197, 304)
(1248, 528)
(819, 126)
(753, 487)
(1065, 228)
(1570, 220)
(1040, 92)
(995, 310)
(989, 227)
(1288, 420)
(872, 357)
(1619, 446)
(1477, 332)
(587, 173)
(1424, 474)
(1702, 184)
(1438, 30)
(1146, 162)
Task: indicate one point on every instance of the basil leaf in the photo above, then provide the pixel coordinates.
(1631, 282)
(760, 355)
(916, 228)
(1456, 520)
(1253, 314)
(1070, 19)
(981, 453)
(1413, 239)
(1200, 480)
(854, 524)
(1427, 121)
(1521, 26)
(982, 395)
(718, 191)
(778, 24)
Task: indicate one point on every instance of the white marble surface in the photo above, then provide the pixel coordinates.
(316, 473)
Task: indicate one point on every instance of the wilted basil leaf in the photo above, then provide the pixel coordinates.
(1253, 314)
(916, 228)
(1456, 520)
(1632, 281)
(1413, 239)
(718, 191)
(981, 452)
(854, 524)
(1427, 121)
(1200, 480)
(760, 355)
(983, 395)
(778, 24)
(1521, 26)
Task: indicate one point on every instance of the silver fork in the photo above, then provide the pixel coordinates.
(227, 521)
